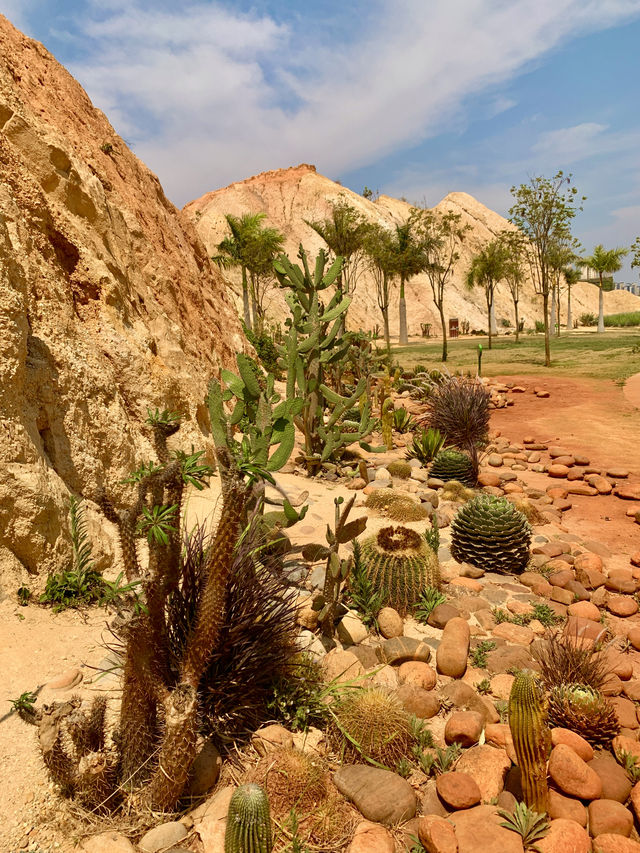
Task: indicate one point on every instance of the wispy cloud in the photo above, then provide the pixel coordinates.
(209, 95)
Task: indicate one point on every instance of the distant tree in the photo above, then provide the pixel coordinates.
(543, 210)
(562, 253)
(369, 194)
(512, 242)
(487, 270)
(604, 261)
(571, 277)
(379, 248)
(440, 236)
(635, 248)
(253, 248)
(409, 261)
(344, 232)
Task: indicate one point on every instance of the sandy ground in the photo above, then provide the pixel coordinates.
(592, 417)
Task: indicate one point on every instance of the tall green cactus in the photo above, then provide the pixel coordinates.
(312, 344)
(531, 738)
(387, 423)
(248, 822)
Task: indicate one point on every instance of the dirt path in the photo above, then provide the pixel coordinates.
(593, 417)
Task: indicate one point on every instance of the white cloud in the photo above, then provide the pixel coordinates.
(210, 95)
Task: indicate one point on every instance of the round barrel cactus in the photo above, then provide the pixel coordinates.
(490, 533)
(398, 561)
(454, 465)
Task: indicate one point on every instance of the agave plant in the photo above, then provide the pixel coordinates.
(490, 533)
(426, 445)
(402, 420)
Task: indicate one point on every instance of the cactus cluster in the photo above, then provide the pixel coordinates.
(248, 821)
(490, 533)
(398, 561)
(531, 738)
(454, 465)
(583, 710)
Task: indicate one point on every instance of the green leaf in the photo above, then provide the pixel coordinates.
(282, 453)
(339, 309)
(248, 376)
(216, 414)
(233, 382)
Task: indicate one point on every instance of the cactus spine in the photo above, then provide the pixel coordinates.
(248, 822)
(531, 738)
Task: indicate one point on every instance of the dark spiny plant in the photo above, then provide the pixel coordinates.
(459, 408)
(565, 659)
(164, 679)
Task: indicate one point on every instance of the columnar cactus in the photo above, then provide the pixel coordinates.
(387, 423)
(531, 738)
(248, 822)
(399, 562)
(490, 533)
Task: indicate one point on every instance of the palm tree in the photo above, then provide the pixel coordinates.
(263, 247)
(571, 276)
(604, 261)
(233, 251)
(486, 270)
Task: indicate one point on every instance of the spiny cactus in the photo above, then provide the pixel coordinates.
(454, 465)
(531, 738)
(371, 724)
(387, 423)
(399, 468)
(399, 562)
(398, 506)
(585, 711)
(490, 533)
(248, 822)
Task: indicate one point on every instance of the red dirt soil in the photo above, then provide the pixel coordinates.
(593, 417)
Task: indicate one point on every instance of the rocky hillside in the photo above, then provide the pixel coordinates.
(289, 196)
(108, 305)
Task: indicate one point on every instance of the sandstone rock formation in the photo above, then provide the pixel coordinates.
(289, 196)
(108, 305)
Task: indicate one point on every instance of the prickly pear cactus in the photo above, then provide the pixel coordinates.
(248, 822)
(531, 738)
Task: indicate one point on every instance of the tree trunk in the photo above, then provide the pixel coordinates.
(515, 305)
(387, 336)
(403, 337)
(558, 312)
(552, 319)
(569, 318)
(600, 308)
(245, 299)
(547, 345)
(444, 332)
(489, 311)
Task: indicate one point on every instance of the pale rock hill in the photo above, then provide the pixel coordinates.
(289, 196)
(108, 305)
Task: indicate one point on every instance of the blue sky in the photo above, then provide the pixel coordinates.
(413, 98)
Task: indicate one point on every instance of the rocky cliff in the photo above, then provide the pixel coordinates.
(108, 305)
(289, 196)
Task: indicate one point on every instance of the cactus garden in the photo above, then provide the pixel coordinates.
(350, 621)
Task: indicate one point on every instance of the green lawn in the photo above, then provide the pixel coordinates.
(607, 356)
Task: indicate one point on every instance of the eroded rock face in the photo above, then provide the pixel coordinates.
(108, 305)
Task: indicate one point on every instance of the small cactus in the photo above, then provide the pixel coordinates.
(490, 533)
(531, 738)
(248, 821)
(454, 465)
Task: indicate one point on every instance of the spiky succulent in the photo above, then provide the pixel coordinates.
(490, 533)
(531, 738)
(400, 469)
(585, 711)
(248, 822)
(454, 465)
(399, 562)
(371, 725)
(426, 445)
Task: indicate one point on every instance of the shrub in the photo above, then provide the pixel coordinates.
(631, 318)
(459, 408)
(588, 320)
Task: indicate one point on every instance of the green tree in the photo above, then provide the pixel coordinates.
(635, 249)
(440, 236)
(562, 253)
(512, 242)
(571, 277)
(344, 232)
(409, 261)
(379, 249)
(543, 210)
(486, 270)
(604, 261)
(253, 248)
(263, 247)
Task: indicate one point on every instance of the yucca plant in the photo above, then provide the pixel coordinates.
(530, 825)
(459, 408)
(426, 445)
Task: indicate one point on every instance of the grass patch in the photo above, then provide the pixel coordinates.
(585, 353)
(631, 318)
